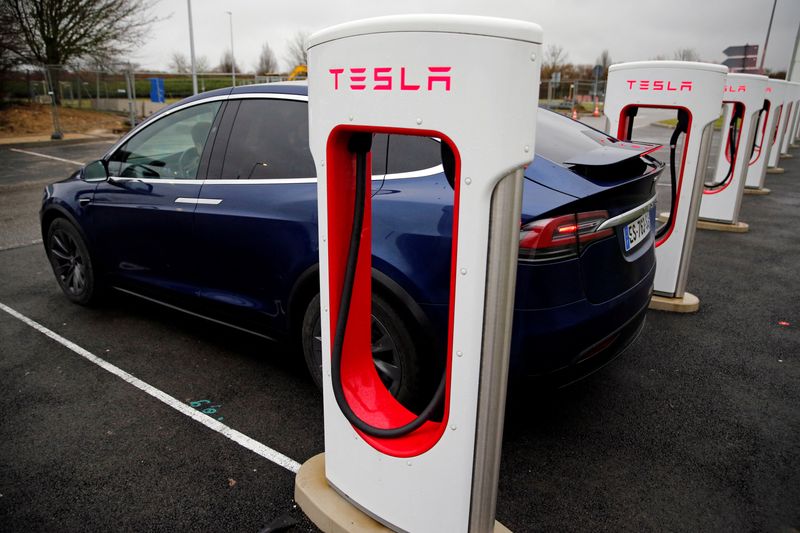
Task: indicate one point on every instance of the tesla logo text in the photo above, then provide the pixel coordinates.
(659, 85)
(739, 89)
(390, 79)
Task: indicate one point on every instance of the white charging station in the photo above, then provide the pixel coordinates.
(792, 101)
(695, 91)
(793, 131)
(743, 102)
(417, 75)
(765, 133)
(779, 95)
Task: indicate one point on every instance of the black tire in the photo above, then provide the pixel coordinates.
(71, 262)
(397, 357)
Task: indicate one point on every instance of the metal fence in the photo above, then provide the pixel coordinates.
(123, 90)
(572, 94)
(118, 89)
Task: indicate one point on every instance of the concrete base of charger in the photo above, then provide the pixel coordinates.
(329, 510)
(757, 192)
(739, 227)
(688, 304)
(786, 156)
(775, 170)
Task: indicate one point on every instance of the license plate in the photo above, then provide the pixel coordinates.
(636, 231)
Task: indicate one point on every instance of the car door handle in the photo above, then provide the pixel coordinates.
(198, 201)
(84, 201)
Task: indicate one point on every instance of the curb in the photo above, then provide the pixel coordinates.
(70, 139)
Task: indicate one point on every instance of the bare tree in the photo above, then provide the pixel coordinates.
(11, 45)
(179, 63)
(226, 63)
(267, 62)
(604, 61)
(686, 54)
(296, 54)
(56, 32)
(554, 57)
(201, 64)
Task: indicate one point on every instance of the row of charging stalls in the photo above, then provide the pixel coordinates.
(759, 120)
(426, 473)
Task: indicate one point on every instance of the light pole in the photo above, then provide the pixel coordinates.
(191, 47)
(766, 41)
(233, 58)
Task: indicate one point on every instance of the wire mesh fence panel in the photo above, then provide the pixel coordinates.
(566, 95)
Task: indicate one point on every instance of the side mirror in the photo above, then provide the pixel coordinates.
(96, 170)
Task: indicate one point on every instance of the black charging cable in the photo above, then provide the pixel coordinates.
(631, 114)
(360, 144)
(755, 137)
(732, 133)
(682, 127)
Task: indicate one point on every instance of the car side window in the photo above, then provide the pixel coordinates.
(409, 153)
(170, 148)
(269, 140)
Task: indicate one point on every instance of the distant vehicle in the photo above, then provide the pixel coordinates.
(210, 207)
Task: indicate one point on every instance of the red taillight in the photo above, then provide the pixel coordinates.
(560, 237)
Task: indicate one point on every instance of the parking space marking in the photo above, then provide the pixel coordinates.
(240, 438)
(20, 245)
(37, 154)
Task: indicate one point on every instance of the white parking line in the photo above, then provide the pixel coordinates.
(243, 440)
(19, 245)
(37, 154)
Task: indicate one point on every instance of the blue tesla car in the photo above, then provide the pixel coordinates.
(209, 207)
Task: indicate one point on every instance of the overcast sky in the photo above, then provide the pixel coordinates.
(629, 29)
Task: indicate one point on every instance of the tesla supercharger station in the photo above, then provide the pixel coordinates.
(792, 97)
(795, 136)
(743, 101)
(781, 107)
(765, 134)
(793, 131)
(694, 91)
(417, 75)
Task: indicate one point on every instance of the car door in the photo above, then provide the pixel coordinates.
(253, 244)
(141, 214)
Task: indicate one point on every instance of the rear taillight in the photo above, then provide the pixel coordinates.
(561, 237)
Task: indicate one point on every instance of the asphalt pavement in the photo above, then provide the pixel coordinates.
(694, 428)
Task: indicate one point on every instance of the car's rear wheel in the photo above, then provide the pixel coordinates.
(394, 352)
(71, 262)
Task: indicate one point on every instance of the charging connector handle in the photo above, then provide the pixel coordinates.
(733, 132)
(755, 137)
(360, 144)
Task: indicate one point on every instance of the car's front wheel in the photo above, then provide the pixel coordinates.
(71, 262)
(394, 352)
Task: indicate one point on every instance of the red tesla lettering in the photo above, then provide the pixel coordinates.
(644, 85)
(686, 85)
(336, 72)
(383, 83)
(630, 84)
(359, 85)
(405, 86)
(439, 79)
(670, 87)
(658, 85)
